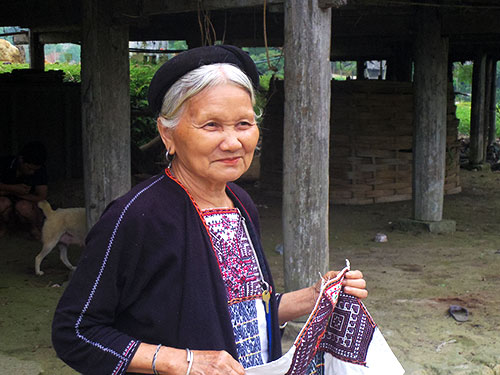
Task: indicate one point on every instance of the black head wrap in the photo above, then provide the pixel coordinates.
(183, 63)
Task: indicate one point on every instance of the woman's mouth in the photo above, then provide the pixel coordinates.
(230, 161)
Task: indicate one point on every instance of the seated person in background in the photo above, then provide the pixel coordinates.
(23, 183)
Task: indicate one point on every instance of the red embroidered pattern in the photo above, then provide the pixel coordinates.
(235, 255)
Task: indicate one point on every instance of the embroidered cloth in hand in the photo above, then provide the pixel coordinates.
(339, 331)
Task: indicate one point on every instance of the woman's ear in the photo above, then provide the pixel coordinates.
(166, 136)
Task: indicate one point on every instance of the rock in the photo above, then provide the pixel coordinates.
(496, 369)
(279, 249)
(380, 237)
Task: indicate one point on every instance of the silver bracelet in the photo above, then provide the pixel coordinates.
(190, 358)
(153, 364)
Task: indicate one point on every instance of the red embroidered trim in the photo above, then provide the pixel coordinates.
(211, 211)
(169, 174)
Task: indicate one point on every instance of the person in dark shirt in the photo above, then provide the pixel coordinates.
(23, 183)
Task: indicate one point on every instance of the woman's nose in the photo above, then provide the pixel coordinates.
(231, 141)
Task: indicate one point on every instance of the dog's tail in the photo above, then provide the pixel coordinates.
(46, 208)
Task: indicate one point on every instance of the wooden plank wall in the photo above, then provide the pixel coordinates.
(39, 106)
(370, 142)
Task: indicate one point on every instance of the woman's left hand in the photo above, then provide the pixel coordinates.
(353, 283)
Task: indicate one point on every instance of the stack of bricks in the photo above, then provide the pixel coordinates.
(371, 142)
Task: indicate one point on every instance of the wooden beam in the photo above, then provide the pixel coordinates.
(167, 6)
(105, 108)
(306, 142)
(476, 150)
(429, 117)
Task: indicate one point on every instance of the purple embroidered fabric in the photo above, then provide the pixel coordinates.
(237, 262)
(309, 338)
(349, 331)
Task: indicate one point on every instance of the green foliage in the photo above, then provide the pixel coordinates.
(8, 67)
(143, 127)
(72, 72)
(462, 79)
(463, 115)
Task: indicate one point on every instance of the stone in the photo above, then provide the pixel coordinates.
(496, 369)
(409, 225)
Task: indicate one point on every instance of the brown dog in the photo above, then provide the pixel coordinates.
(63, 227)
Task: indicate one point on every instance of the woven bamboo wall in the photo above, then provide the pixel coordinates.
(370, 142)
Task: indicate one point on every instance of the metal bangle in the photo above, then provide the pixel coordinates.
(190, 359)
(153, 363)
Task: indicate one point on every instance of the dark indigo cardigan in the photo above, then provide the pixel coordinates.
(149, 274)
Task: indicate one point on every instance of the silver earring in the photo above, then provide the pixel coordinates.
(169, 158)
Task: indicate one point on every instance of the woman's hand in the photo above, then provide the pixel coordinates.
(208, 362)
(173, 361)
(353, 283)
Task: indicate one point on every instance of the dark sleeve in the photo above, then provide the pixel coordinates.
(83, 332)
(40, 177)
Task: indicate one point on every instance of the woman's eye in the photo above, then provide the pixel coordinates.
(210, 125)
(245, 123)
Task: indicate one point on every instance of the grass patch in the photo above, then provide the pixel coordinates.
(463, 115)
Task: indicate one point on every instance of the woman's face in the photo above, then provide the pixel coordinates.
(216, 136)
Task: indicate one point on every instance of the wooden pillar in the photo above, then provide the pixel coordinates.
(399, 65)
(306, 142)
(360, 69)
(476, 150)
(37, 55)
(487, 99)
(430, 107)
(105, 107)
(492, 105)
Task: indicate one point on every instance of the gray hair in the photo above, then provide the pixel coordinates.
(194, 82)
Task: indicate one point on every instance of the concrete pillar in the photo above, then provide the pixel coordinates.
(429, 137)
(306, 142)
(105, 107)
(476, 150)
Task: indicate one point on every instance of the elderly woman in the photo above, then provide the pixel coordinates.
(173, 279)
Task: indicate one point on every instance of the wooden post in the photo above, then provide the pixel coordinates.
(306, 142)
(360, 69)
(429, 117)
(492, 105)
(399, 65)
(37, 55)
(476, 150)
(105, 107)
(487, 99)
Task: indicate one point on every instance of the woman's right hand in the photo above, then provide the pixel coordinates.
(211, 362)
(173, 361)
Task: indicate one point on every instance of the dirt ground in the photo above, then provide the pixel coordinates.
(412, 280)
